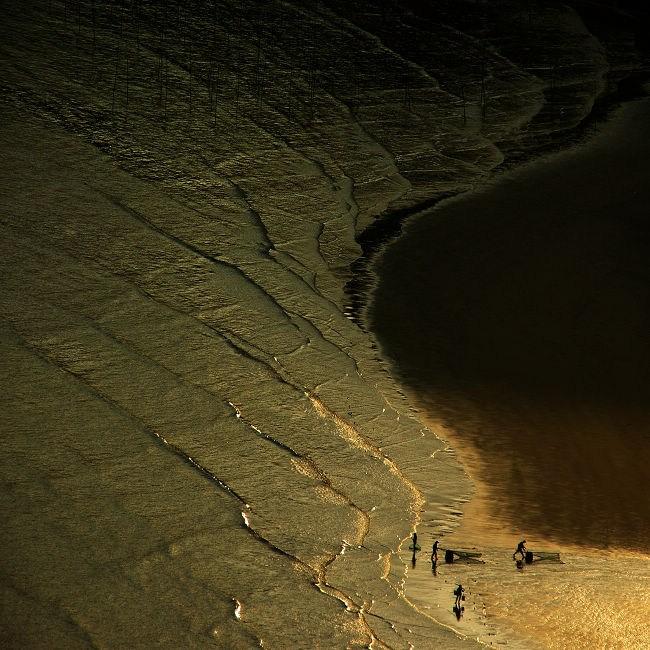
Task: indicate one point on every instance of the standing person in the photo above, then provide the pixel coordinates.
(434, 552)
(415, 547)
(521, 548)
(458, 592)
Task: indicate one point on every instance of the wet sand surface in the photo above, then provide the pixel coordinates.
(519, 316)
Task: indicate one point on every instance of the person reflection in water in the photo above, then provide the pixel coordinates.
(521, 549)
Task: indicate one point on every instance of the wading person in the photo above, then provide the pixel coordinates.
(458, 592)
(434, 552)
(521, 548)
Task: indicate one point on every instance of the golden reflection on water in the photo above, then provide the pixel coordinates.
(570, 474)
(594, 602)
(594, 599)
(591, 601)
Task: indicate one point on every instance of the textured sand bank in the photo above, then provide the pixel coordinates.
(199, 447)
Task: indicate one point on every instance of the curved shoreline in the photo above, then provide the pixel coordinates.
(476, 530)
(499, 185)
(388, 226)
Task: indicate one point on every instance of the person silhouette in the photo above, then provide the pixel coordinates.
(521, 549)
(434, 552)
(458, 592)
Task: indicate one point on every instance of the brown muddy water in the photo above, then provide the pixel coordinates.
(518, 317)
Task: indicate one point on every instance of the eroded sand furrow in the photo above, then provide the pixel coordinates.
(238, 344)
(117, 407)
(136, 353)
(266, 436)
(326, 587)
(317, 473)
(318, 570)
(355, 437)
(193, 466)
(57, 347)
(308, 467)
(189, 247)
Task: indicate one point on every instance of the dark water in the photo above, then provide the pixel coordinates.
(520, 316)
